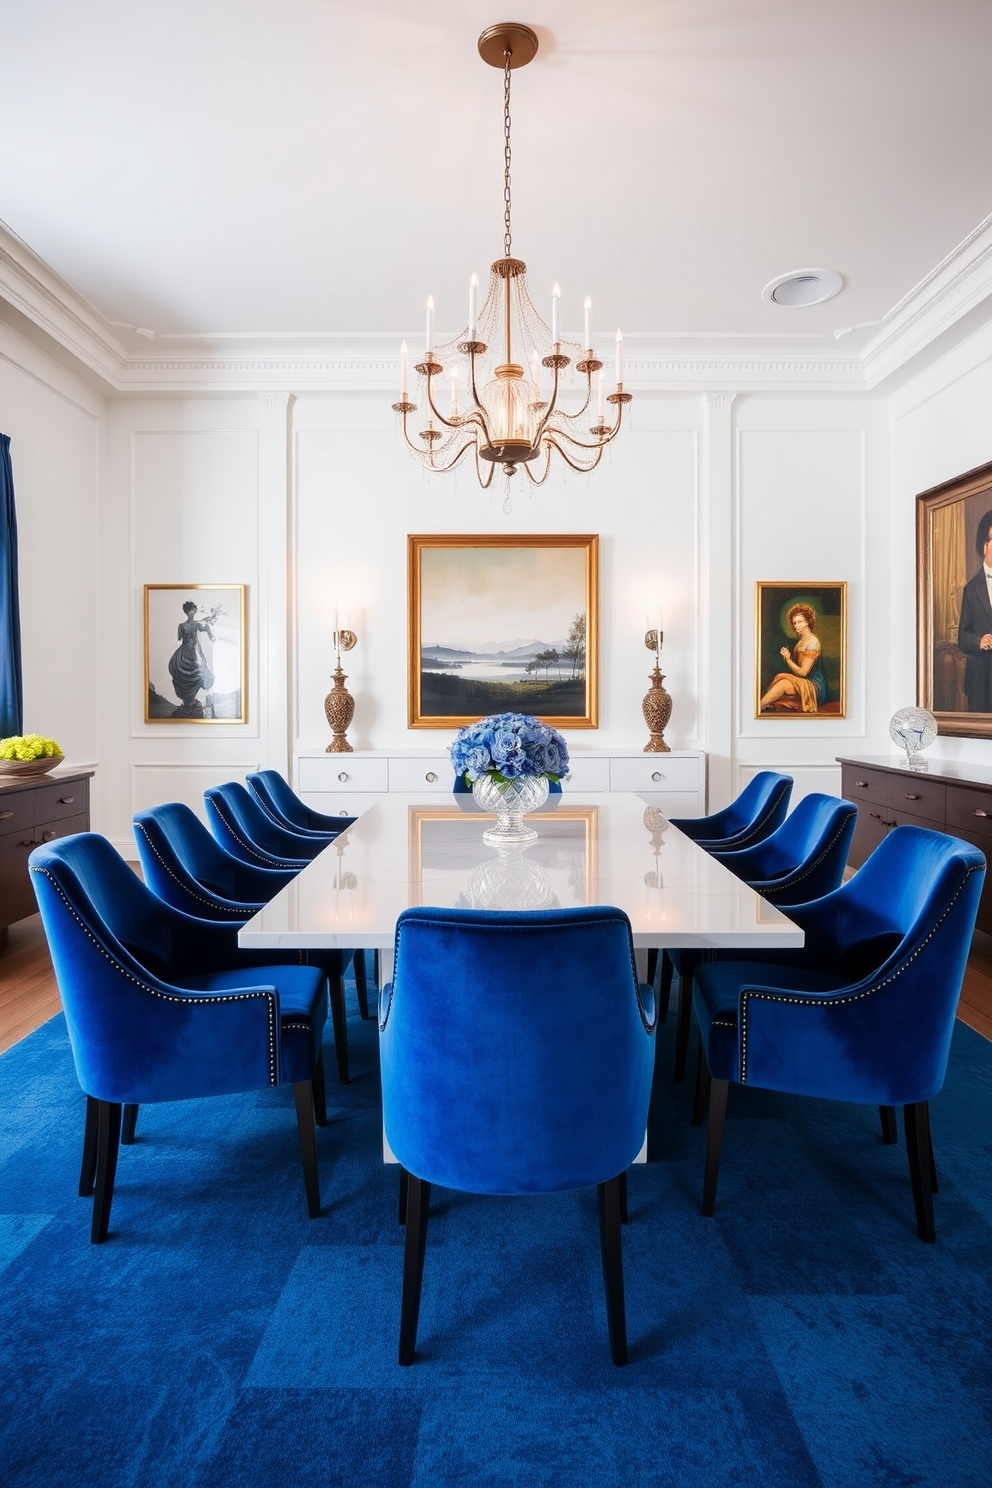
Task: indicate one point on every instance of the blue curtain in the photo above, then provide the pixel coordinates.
(11, 687)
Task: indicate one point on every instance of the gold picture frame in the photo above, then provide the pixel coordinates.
(793, 677)
(195, 653)
(953, 612)
(490, 600)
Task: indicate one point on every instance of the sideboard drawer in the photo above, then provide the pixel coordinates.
(591, 775)
(339, 803)
(969, 809)
(340, 773)
(52, 802)
(923, 798)
(655, 772)
(413, 776)
(859, 783)
(16, 810)
(67, 827)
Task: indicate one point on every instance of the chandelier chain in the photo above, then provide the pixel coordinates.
(506, 153)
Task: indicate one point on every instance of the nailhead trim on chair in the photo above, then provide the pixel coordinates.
(268, 860)
(213, 903)
(171, 997)
(786, 883)
(829, 1000)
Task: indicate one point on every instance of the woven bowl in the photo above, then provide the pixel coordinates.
(26, 769)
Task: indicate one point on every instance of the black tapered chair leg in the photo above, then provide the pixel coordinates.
(610, 1245)
(128, 1125)
(622, 1180)
(303, 1093)
(107, 1145)
(339, 1022)
(653, 954)
(917, 1123)
(890, 1131)
(702, 1097)
(684, 1026)
(319, 1091)
(87, 1169)
(665, 988)
(933, 1160)
(714, 1142)
(922, 1170)
(404, 1186)
(361, 984)
(418, 1202)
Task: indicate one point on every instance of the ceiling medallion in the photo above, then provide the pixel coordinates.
(506, 366)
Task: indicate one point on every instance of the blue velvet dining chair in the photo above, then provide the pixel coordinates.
(864, 1012)
(517, 1053)
(247, 832)
(277, 797)
(163, 1007)
(801, 861)
(759, 810)
(184, 865)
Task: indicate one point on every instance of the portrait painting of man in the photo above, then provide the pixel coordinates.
(954, 563)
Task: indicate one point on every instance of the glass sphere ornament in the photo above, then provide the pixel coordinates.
(913, 729)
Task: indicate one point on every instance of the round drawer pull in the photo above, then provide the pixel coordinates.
(862, 783)
(48, 836)
(430, 777)
(656, 775)
(66, 800)
(343, 776)
(343, 812)
(874, 816)
(909, 796)
(976, 812)
(5, 814)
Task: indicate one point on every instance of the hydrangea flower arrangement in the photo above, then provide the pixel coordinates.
(509, 746)
(29, 747)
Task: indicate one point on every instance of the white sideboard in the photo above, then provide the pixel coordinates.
(348, 784)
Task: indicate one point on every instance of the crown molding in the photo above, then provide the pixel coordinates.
(315, 362)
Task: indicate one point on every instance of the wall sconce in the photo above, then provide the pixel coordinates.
(657, 704)
(339, 705)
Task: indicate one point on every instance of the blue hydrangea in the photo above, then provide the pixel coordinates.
(509, 746)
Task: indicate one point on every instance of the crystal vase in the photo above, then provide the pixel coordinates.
(509, 801)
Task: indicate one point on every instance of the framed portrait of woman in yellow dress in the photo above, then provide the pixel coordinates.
(800, 650)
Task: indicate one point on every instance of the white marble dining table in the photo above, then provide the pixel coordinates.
(408, 851)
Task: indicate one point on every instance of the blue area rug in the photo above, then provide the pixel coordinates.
(804, 1336)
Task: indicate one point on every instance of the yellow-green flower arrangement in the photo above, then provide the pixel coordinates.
(29, 747)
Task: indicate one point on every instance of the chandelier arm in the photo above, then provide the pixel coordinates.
(443, 469)
(479, 410)
(607, 438)
(417, 449)
(584, 409)
(484, 481)
(449, 423)
(538, 480)
(582, 469)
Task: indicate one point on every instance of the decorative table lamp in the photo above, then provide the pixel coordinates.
(339, 705)
(657, 704)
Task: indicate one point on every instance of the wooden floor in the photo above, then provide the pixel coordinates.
(29, 996)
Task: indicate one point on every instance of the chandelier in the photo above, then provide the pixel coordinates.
(507, 365)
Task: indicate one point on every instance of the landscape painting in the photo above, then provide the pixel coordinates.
(503, 625)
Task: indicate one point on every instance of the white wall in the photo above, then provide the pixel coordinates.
(310, 502)
(55, 427)
(941, 426)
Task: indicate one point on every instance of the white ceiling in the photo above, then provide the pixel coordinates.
(208, 167)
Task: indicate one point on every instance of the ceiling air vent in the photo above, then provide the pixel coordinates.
(803, 287)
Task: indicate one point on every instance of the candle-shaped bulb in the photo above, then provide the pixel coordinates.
(619, 358)
(473, 307)
(430, 323)
(535, 368)
(602, 397)
(403, 382)
(587, 307)
(556, 312)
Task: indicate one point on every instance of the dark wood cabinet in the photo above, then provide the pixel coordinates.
(32, 812)
(945, 797)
